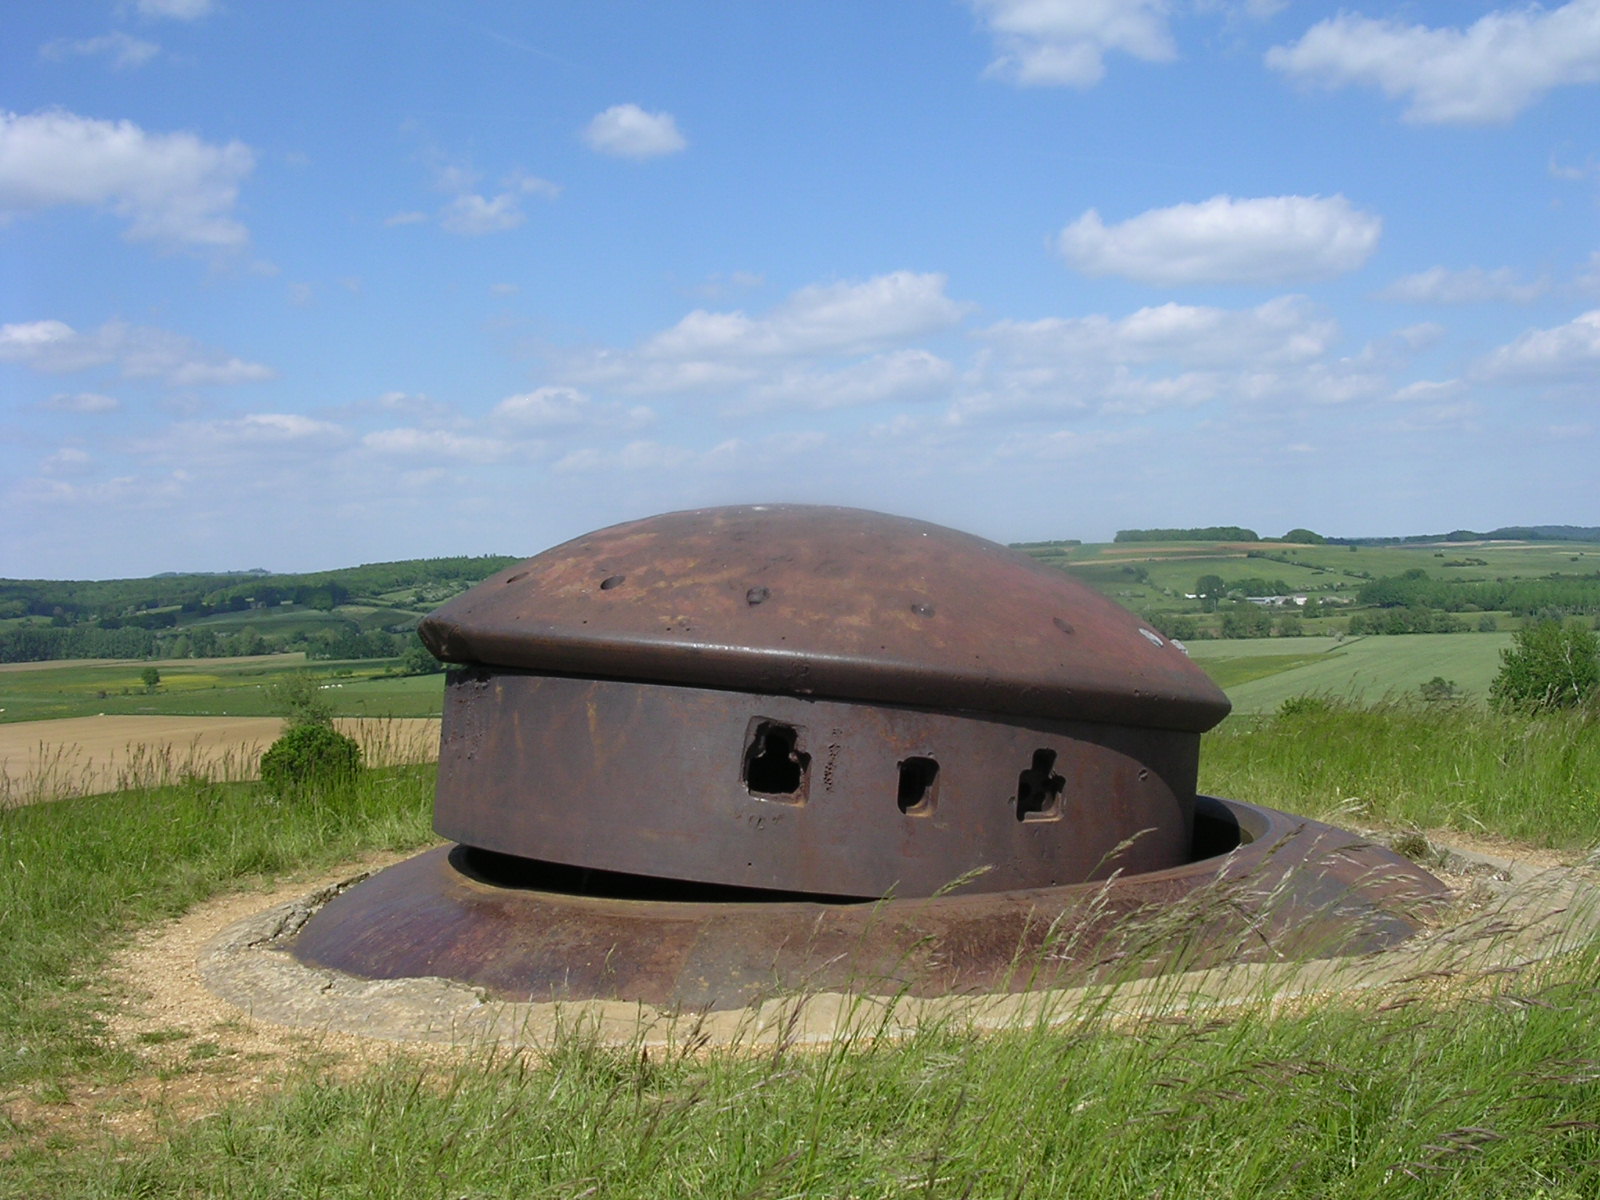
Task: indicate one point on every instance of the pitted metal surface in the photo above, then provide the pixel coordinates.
(813, 796)
(814, 700)
(836, 602)
(1289, 889)
(717, 755)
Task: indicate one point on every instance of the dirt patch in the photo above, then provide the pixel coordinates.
(85, 756)
(199, 1052)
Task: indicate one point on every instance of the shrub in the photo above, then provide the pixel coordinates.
(299, 697)
(310, 756)
(1303, 706)
(1550, 665)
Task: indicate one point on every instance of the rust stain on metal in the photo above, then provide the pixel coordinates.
(932, 658)
(696, 758)
(536, 931)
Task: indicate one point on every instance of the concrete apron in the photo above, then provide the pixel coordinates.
(1513, 918)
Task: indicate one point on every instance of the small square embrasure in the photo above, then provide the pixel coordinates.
(919, 779)
(774, 764)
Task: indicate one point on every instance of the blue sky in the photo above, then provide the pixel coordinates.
(299, 285)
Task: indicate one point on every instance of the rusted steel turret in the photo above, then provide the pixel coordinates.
(679, 754)
(817, 701)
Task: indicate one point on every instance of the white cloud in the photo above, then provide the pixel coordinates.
(140, 352)
(122, 492)
(1428, 391)
(472, 214)
(83, 402)
(627, 131)
(124, 50)
(1064, 42)
(1286, 329)
(177, 10)
(436, 443)
(1271, 239)
(69, 460)
(52, 346)
(641, 456)
(172, 189)
(1485, 74)
(721, 351)
(1166, 358)
(901, 376)
(833, 318)
(406, 218)
(1570, 351)
(1063, 445)
(202, 445)
(1470, 285)
(555, 408)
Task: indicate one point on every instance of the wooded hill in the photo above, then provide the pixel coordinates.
(354, 612)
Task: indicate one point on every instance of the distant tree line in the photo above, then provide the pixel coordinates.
(1208, 533)
(162, 617)
(198, 595)
(1511, 533)
(1573, 594)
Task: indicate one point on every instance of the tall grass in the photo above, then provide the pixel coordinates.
(1497, 1096)
(1535, 778)
(1426, 1091)
(76, 875)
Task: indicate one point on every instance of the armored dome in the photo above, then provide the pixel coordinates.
(827, 602)
(676, 753)
(814, 702)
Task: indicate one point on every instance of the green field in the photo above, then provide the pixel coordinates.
(233, 687)
(1257, 673)
(1358, 669)
(1160, 578)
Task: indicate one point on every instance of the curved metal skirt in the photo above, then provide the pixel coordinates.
(1264, 885)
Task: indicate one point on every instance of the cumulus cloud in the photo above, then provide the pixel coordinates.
(901, 376)
(711, 351)
(1271, 239)
(1428, 391)
(1567, 352)
(200, 445)
(124, 50)
(472, 215)
(627, 131)
(69, 460)
(1484, 74)
(140, 352)
(172, 189)
(831, 318)
(564, 408)
(436, 443)
(471, 212)
(1171, 356)
(1286, 329)
(122, 491)
(1064, 42)
(1470, 285)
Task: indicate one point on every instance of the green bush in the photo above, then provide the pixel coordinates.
(1551, 665)
(310, 756)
